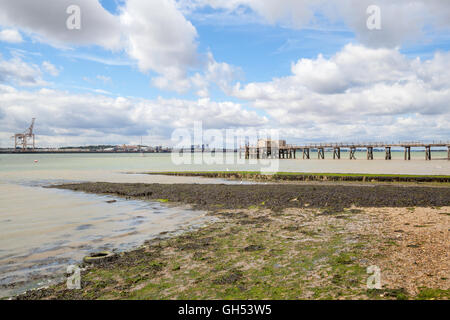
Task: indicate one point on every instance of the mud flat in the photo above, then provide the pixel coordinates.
(281, 242)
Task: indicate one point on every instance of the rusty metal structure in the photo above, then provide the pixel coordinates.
(26, 139)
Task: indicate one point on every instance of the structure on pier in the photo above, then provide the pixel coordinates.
(274, 149)
(23, 140)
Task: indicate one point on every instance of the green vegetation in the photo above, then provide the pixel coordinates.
(305, 176)
(299, 173)
(271, 242)
(377, 294)
(246, 255)
(431, 294)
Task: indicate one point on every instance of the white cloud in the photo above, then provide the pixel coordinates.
(18, 72)
(10, 35)
(402, 20)
(158, 36)
(91, 118)
(154, 33)
(356, 90)
(219, 73)
(50, 68)
(46, 20)
(104, 79)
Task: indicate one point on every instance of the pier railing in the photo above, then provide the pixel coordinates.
(289, 151)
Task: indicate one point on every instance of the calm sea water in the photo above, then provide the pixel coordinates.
(42, 231)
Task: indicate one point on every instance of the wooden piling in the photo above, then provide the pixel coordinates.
(290, 151)
(352, 153)
(306, 153)
(337, 153)
(320, 153)
(388, 155)
(427, 152)
(407, 153)
(369, 153)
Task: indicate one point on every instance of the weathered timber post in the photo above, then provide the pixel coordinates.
(306, 153)
(388, 154)
(352, 153)
(336, 153)
(428, 153)
(407, 153)
(369, 153)
(320, 153)
(247, 152)
(448, 153)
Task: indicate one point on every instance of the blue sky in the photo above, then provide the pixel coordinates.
(262, 52)
(297, 66)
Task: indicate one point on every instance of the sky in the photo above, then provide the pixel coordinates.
(113, 71)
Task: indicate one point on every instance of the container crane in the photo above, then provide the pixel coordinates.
(23, 139)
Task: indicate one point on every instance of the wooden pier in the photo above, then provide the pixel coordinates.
(290, 151)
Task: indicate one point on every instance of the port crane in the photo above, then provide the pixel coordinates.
(24, 139)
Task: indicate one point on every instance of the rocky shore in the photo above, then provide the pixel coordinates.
(273, 196)
(280, 242)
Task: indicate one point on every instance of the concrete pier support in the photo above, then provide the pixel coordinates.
(321, 153)
(352, 153)
(428, 153)
(388, 155)
(369, 153)
(336, 153)
(407, 153)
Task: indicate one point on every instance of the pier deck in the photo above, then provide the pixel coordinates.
(290, 151)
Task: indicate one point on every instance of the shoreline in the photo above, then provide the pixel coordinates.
(310, 177)
(299, 250)
(272, 196)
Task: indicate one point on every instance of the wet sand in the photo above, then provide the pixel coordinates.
(50, 229)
